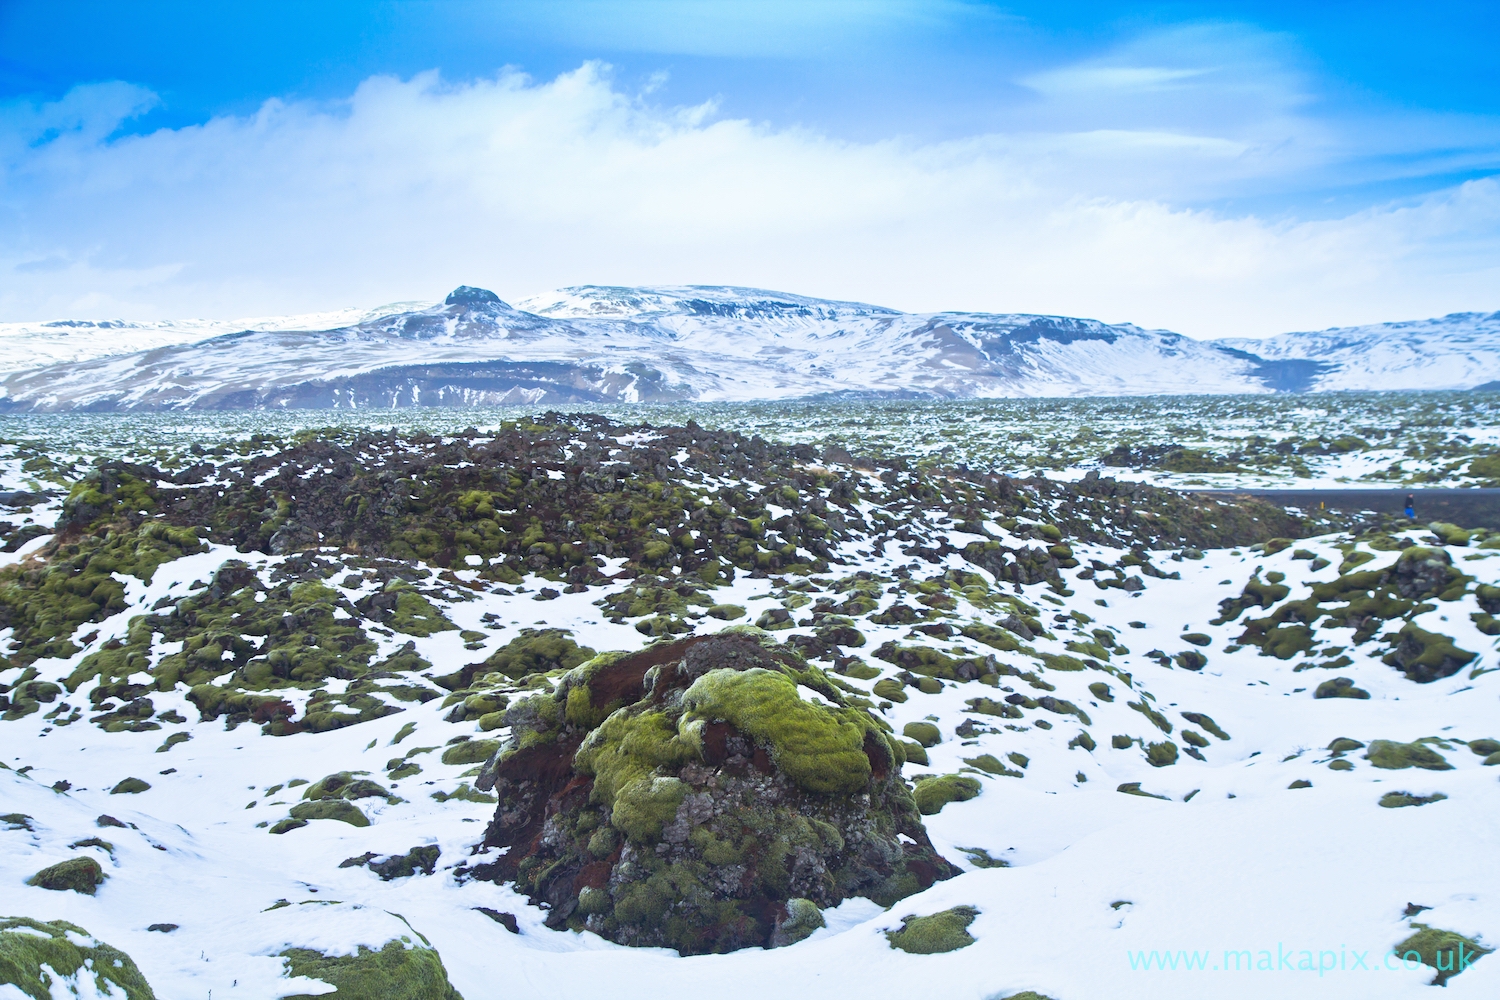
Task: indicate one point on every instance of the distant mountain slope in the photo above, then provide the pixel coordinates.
(664, 343)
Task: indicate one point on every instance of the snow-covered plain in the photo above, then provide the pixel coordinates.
(1100, 887)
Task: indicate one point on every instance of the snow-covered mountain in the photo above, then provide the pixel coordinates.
(711, 343)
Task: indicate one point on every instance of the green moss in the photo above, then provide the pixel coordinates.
(934, 934)
(1101, 690)
(915, 753)
(36, 957)
(1157, 719)
(336, 809)
(415, 614)
(1426, 656)
(172, 741)
(890, 689)
(1121, 742)
(933, 793)
(929, 735)
(1134, 788)
(81, 874)
(990, 764)
(1300, 783)
(1483, 748)
(1194, 738)
(1344, 744)
(534, 651)
(1161, 754)
(1398, 800)
(820, 748)
(344, 785)
(1340, 687)
(625, 751)
(802, 918)
(1446, 951)
(130, 786)
(470, 752)
(1083, 739)
(398, 971)
(1395, 756)
(1205, 722)
(726, 612)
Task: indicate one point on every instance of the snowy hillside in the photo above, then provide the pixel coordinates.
(595, 344)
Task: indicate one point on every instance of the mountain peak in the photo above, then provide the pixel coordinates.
(468, 295)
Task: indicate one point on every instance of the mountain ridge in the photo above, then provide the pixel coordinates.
(592, 344)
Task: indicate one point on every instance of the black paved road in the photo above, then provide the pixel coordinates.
(1467, 508)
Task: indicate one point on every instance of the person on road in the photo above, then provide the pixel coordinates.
(1411, 510)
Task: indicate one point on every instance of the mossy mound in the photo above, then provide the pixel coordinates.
(934, 934)
(929, 735)
(684, 795)
(1426, 656)
(45, 960)
(932, 793)
(73, 875)
(1446, 951)
(338, 809)
(1395, 756)
(1340, 687)
(399, 970)
(1400, 800)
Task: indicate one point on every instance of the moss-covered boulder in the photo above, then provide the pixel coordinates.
(51, 959)
(683, 796)
(1426, 656)
(73, 875)
(1446, 951)
(398, 970)
(934, 934)
(1395, 756)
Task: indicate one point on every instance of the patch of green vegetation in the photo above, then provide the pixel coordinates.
(1161, 754)
(1134, 788)
(1399, 800)
(35, 956)
(1395, 756)
(989, 764)
(934, 934)
(335, 809)
(534, 651)
(1101, 690)
(1426, 656)
(818, 747)
(81, 874)
(1483, 748)
(1205, 722)
(471, 752)
(399, 970)
(1299, 783)
(934, 792)
(890, 689)
(929, 735)
(130, 786)
(1343, 745)
(1157, 719)
(1340, 687)
(345, 785)
(1444, 951)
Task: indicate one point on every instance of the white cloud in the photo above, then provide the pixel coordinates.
(412, 187)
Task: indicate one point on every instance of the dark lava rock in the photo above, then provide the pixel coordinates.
(688, 796)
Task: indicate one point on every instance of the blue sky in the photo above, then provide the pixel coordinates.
(1218, 168)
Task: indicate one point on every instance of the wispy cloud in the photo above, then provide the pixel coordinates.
(413, 186)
